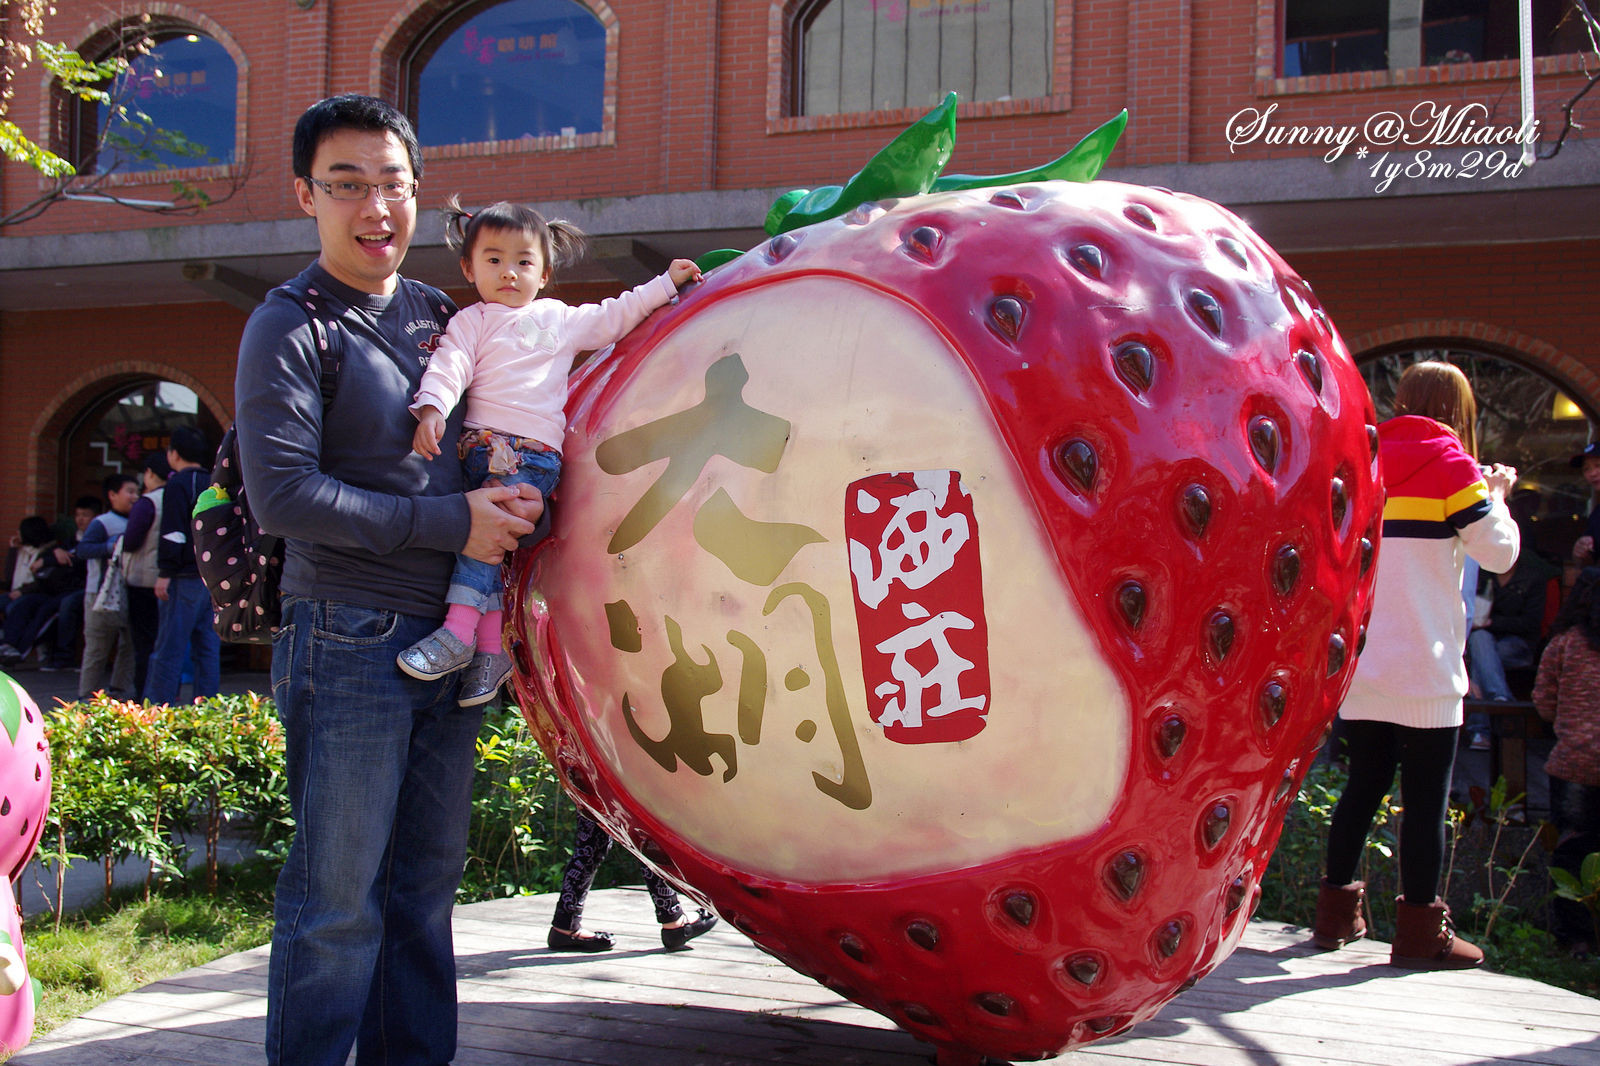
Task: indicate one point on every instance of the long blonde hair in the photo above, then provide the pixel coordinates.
(1441, 392)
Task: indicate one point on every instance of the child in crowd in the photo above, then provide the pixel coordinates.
(1567, 693)
(509, 356)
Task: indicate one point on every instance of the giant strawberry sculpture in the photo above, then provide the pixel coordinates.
(954, 589)
(24, 802)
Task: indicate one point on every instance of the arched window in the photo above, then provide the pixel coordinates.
(509, 70)
(175, 106)
(873, 55)
(115, 432)
(1524, 420)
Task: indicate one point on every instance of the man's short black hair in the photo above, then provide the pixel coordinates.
(156, 463)
(34, 531)
(351, 112)
(114, 482)
(86, 503)
(191, 445)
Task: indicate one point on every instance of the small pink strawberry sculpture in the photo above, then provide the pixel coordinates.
(24, 802)
(954, 592)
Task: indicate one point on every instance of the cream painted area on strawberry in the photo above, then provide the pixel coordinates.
(867, 386)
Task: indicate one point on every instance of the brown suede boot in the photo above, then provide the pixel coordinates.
(1425, 939)
(1339, 919)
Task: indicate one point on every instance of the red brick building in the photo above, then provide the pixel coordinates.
(666, 129)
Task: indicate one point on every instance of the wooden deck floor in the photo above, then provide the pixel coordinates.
(726, 1003)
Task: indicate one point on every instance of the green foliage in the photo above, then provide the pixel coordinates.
(516, 800)
(77, 76)
(128, 776)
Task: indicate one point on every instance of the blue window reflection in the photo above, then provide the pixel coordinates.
(189, 87)
(526, 68)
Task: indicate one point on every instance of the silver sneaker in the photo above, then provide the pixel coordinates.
(435, 655)
(483, 678)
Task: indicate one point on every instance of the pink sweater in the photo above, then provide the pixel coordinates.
(511, 363)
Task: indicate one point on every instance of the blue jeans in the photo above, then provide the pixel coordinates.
(478, 585)
(380, 770)
(1487, 659)
(186, 627)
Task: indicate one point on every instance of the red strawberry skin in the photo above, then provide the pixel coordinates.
(1181, 430)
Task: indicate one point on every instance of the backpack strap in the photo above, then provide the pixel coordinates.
(322, 311)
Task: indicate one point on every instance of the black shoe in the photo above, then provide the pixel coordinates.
(677, 938)
(596, 941)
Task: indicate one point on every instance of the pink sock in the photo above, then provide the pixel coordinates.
(461, 621)
(489, 633)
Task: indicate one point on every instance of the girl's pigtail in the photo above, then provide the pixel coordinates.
(568, 243)
(456, 218)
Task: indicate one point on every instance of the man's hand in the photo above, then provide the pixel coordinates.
(63, 557)
(430, 428)
(499, 517)
(162, 584)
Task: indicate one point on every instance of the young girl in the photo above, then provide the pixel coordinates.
(1567, 693)
(1404, 705)
(509, 356)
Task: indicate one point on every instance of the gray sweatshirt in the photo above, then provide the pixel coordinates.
(365, 520)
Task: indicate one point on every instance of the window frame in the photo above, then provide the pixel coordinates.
(1269, 80)
(65, 113)
(411, 29)
(786, 22)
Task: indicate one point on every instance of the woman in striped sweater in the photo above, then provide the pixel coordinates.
(1404, 706)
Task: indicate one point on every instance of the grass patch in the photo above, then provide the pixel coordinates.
(101, 953)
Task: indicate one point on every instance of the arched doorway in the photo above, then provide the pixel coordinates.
(1526, 419)
(114, 432)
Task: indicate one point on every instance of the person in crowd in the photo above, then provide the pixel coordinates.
(380, 765)
(65, 637)
(589, 849)
(185, 632)
(509, 357)
(106, 636)
(139, 545)
(1512, 634)
(39, 576)
(1567, 693)
(1404, 705)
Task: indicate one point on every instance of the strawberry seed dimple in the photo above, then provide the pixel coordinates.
(1285, 569)
(1272, 702)
(1372, 442)
(1340, 501)
(1019, 907)
(1195, 506)
(997, 1003)
(920, 1014)
(923, 242)
(780, 246)
(852, 946)
(1131, 602)
(1136, 366)
(1009, 198)
(1233, 250)
(1285, 785)
(1207, 309)
(1089, 259)
(1220, 634)
(1335, 654)
(1169, 938)
(1266, 442)
(1215, 824)
(1084, 969)
(1101, 1026)
(1140, 215)
(1007, 313)
(1237, 891)
(1124, 874)
(923, 934)
(1361, 641)
(1081, 463)
(1310, 368)
(1367, 552)
(1170, 732)
(655, 853)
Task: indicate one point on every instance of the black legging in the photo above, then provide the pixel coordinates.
(1425, 758)
(589, 850)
